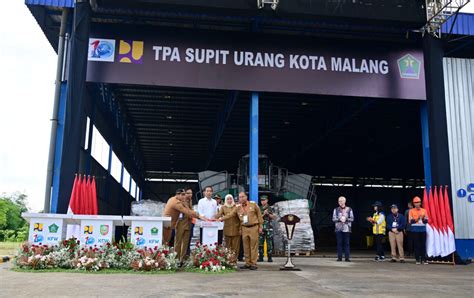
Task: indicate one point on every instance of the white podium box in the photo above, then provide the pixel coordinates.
(46, 228)
(209, 232)
(97, 229)
(147, 230)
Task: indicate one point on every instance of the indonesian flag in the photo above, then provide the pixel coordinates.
(443, 229)
(433, 207)
(95, 208)
(75, 208)
(450, 224)
(83, 201)
(429, 229)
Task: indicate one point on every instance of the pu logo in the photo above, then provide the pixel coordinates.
(88, 230)
(138, 230)
(131, 51)
(38, 227)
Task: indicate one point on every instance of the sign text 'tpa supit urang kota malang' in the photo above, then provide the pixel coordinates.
(269, 59)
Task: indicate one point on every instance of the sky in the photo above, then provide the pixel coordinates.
(27, 73)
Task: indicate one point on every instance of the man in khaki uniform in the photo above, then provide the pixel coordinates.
(173, 208)
(231, 225)
(183, 229)
(251, 221)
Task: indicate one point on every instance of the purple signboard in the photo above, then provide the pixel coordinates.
(249, 62)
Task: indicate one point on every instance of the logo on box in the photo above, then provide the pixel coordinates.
(154, 231)
(90, 240)
(38, 227)
(104, 230)
(88, 230)
(139, 231)
(37, 238)
(53, 228)
(140, 241)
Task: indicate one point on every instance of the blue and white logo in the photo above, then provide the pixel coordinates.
(140, 241)
(101, 50)
(462, 193)
(90, 240)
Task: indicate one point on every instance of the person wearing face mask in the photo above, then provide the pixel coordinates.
(418, 218)
(343, 217)
(378, 228)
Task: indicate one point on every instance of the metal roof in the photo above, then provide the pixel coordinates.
(463, 24)
(53, 3)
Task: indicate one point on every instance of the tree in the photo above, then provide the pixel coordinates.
(12, 225)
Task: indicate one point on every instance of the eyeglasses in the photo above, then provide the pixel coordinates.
(189, 193)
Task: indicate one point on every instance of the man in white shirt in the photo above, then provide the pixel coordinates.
(207, 206)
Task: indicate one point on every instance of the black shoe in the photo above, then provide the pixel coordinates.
(348, 260)
(402, 261)
(245, 266)
(270, 259)
(339, 260)
(253, 268)
(260, 259)
(376, 259)
(393, 261)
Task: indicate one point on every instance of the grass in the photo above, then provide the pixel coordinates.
(104, 271)
(9, 248)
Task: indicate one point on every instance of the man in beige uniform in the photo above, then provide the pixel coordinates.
(173, 208)
(231, 225)
(183, 229)
(251, 221)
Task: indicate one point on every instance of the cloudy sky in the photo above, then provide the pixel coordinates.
(27, 72)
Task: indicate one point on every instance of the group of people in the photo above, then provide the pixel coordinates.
(396, 225)
(243, 222)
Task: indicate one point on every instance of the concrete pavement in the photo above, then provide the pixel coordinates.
(319, 277)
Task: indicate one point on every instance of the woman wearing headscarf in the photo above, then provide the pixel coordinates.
(378, 228)
(231, 225)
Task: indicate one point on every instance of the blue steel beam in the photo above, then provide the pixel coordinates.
(425, 137)
(58, 149)
(222, 119)
(253, 156)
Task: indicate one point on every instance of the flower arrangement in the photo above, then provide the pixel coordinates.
(213, 258)
(70, 255)
(157, 258)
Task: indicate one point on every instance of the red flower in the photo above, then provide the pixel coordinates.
(119, 253)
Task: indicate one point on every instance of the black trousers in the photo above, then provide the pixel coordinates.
(379, 251)
(419, 239)
(409, 242)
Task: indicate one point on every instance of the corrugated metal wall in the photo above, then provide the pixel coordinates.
(459, 91)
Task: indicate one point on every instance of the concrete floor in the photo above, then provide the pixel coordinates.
(319, 277)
